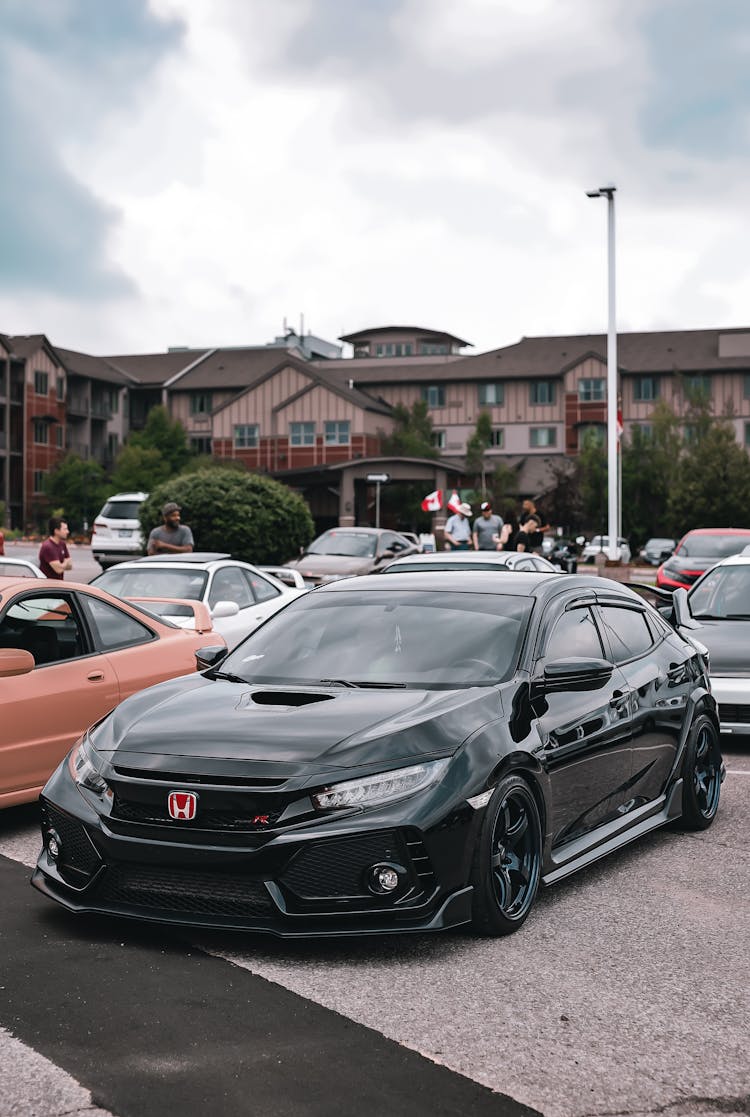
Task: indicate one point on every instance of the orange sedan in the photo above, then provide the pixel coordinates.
(68, 654)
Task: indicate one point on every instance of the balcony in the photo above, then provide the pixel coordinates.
(78, 406)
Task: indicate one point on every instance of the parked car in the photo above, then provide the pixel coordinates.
(68, 654)
(116, 534)
(18, 568)
(719, 617)
(655, 551)
(697, 552)
(238, 596)
(389, 754)
(471, 560)
(600, 544)
(344, 551)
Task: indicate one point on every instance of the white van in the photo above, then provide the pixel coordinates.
(116, 534)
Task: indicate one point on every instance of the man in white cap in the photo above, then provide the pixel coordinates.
(458, 529)
(487, 527)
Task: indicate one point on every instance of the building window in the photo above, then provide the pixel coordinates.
(41, 432)
(393, 349)
(112, 446)
(491, 394)
(60, 437)
(747, 435)
(432, 348)
(39, 475)
(114, 401)
(698, 386)
(434, 395)
(201, 445)
(41, 382)
(542, 392)
(337, 432)
(246, 436)
(200, 403)
(60, 388)
(746, 393)
(497, 438)
(645, 388)
(302, 434)
(592, 390)
(439, 439)
(542, 436)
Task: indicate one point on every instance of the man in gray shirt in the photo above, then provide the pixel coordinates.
(487, 528)
(173, 538)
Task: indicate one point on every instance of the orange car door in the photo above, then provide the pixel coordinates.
(70, 687)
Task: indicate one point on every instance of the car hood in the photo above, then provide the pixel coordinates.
(317, 565)
(728, 643)
(294, 729)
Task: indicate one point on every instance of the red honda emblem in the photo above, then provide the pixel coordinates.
(183, 805)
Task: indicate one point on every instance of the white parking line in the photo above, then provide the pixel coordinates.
(737, 772)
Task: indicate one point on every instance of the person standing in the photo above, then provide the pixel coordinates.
(172, 537)
(535, 533)
(458, 529)
(54, 557)
(487, 528)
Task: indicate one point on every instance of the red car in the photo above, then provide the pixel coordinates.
(68, 654)
(697, 552)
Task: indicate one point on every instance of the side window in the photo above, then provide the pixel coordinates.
(524, 564)
(115, 628)
(575, 634)
(229, 585)
(46, 626)
(261, 589)
(627, 631)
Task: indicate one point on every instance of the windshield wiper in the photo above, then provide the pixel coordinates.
(363, 684)
(228, 677)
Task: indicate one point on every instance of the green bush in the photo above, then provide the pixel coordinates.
(249, 516)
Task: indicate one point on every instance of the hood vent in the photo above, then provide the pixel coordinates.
(287, 698)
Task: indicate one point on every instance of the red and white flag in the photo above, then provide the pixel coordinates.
(433, 502)
(620, 428)
(455, 502)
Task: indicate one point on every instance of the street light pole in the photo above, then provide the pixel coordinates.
(613, 498)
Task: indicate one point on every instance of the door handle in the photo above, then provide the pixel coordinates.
(93, 676)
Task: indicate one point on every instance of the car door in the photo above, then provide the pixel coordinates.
(585, 735)
(71, 686)
(659, 678)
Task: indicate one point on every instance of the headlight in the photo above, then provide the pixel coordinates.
(84, 767)
(381, 788)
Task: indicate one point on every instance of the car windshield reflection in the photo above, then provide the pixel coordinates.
(421, 639)
(724, 594)
(353, 544)
(154, 582)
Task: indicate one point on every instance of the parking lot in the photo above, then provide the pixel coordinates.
(628, 991)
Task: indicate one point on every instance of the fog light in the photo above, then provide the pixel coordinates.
(54, 845)
(385, 878)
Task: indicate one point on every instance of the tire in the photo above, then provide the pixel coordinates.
(701, 773)
(507, 859)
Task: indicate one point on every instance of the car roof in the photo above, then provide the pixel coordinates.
(126, 496)
(457, 558)
(188, 556)
(523, 583)
(717, 531)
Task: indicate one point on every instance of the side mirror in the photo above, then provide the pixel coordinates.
(209, 657)
(572, 673)
(682, 615)
(15, 661)
(225, 609)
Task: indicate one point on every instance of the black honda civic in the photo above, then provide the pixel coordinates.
(389, 754)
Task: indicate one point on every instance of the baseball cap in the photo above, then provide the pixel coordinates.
(169, 507)
(464, 509)
(484, 506)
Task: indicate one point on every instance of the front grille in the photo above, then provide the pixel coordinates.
(255, 817)
(78, 859)
(737, 714)
(335, 867)
(180, 779)
(184, 890)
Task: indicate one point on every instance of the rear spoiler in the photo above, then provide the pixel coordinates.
(202, 617)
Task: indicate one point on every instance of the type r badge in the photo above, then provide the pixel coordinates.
(183, 805)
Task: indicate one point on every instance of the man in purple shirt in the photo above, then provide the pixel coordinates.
(54, 558)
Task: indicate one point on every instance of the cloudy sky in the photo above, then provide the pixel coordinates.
(193, 172)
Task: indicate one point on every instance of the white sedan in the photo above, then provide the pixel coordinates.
(18, 568)
(239, 596)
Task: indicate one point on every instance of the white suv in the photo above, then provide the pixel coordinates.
(601, 543)
(116, 534)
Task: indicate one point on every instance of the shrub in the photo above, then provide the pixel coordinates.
(247, 515)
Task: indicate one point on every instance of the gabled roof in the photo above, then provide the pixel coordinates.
(154, 369)
(93, 368)
(317, 378)
(26, 345)
(236, 368)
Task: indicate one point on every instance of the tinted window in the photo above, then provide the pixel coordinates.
(45, 626)
(723, 592)
(260, 587)
(228, 584)
(712, 546)
(121, 509)
(575, 634)
(422, 638)
(115, 628)
(627, 631)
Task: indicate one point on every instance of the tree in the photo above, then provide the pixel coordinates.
(711, 486)
(139, 468)
(476, 447)
(412, 436)
(249, 516)
(78, 488)
(649, 465)
(165, 435)
(563, 502)
(592, 464)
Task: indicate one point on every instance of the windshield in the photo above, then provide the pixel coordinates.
(723, 593)
(712, 546)
(423, 639)
(152, 581)
(357, 544)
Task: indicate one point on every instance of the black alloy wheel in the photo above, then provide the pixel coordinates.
(507, 861)
(701, 775)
